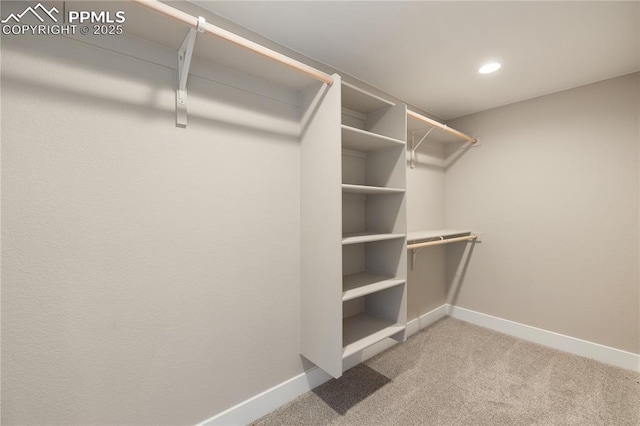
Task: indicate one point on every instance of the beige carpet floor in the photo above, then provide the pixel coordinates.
(455, 373)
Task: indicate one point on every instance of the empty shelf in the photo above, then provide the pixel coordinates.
(363, 283)
(361, 140)
(359, 100)
(363, 330)
(365, 189)
(367, 237)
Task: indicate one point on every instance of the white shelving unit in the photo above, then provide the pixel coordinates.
(354, 256)
(374, 220)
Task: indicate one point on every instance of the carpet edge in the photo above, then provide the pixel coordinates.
(572, 345)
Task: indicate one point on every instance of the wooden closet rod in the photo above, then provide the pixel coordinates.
(192, 21)
(438, 242)
(441, 126)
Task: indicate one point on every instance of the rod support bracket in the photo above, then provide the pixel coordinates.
(414, 146)
(414, 253)
(185, 53)
(202, 23)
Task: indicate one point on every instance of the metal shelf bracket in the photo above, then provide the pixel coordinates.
(414, 252)
(184, 62)
(414, 147)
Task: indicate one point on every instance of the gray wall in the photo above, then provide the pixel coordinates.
(149, 273)
(554, 189)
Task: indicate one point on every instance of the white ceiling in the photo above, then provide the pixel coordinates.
(428, 53)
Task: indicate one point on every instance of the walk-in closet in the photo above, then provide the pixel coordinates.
(331, 212)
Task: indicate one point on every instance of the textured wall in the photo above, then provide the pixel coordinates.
(150, 273)
(554, 189)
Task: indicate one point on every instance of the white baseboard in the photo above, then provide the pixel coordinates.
(605, 354)
(425, 320)
(264, 403)
(267, 401)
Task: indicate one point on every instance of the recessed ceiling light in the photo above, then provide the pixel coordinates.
(489, 68)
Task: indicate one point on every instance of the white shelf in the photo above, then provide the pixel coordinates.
(365, 189)
(363, 283)
(363, 102)
(363, 330)
(362, 140)
(444, 233)
(367, 237)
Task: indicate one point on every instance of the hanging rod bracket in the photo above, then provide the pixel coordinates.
(414, 253)
(184, 63)
(414, 146)
(475, 144)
